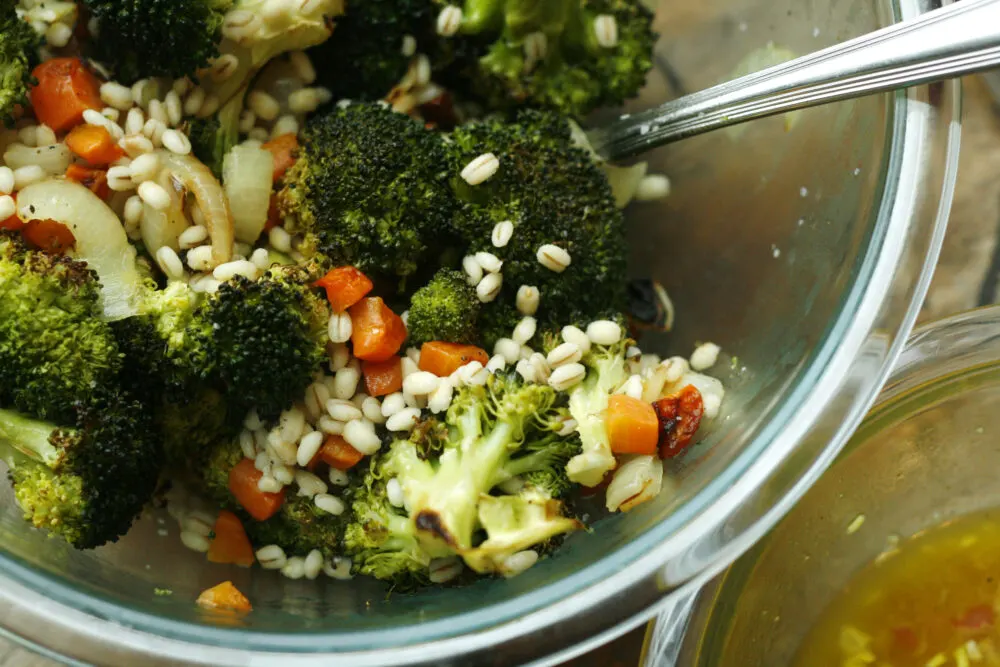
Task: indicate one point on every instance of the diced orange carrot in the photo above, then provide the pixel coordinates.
(224, 596)
(94, 144)
(383, 377)
(66, 88)
(632, 425)
(338, 453)
(378, 333)
(345, 286)
(49, 236)
(443, 359)
(261, 505)
(284, 149)
(230, 543)
(95, 180)
(273, 214)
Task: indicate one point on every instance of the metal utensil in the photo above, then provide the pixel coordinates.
(958, 39)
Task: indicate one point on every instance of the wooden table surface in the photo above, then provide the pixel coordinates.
(968, 275)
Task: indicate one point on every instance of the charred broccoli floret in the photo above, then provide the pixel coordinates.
(447, 488)
(299, 527)
(554, 194)
(368, 190)
(213, 137)
(86, 483)
(54, 348)
(445, 309)
(370, 36)
(572, 56)
(18, 44)
(153, 38)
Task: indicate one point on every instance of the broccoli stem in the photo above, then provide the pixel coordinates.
(27, 437)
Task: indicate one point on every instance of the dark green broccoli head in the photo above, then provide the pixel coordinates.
(263, 340)
(553, 193)
(369, 36)
(572, 56)
(213, 137)
(299, 527)
(54, 349)
(153, 38)
(369, 189)
(18, 44)
(89, 482)
(445, 309)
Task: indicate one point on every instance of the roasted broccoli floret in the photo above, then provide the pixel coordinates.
(86, 483)
(445, 309)
(572, 56)
(18, 44)
(299, 527)
(370, 36)
(588, 402)
(447, 494)
(368, 190)
(542, 463)
(54, 348)
(157, 38)
(554, 194)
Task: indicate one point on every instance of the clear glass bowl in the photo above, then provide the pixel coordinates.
(803, 245)
(928, 452)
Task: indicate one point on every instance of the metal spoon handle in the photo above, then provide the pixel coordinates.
(951, 41)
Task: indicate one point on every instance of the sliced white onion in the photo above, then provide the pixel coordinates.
(163, 228)
(100, 239)
(636, 481)
(199, 181)
(53, 159)
(624, 181)
(247, 175)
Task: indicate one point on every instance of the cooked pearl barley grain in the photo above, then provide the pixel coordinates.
(280, 239)
(194, 101)
(480, 169)
(330, 426)
(606, 31)
(339, 356)
(261, 259)
(441, 398)
(568, 427)
(489, 287)
(134, 121)
(465, 372)
(473, 269)
(303, 67)
(502, 233)
(247, 444)
(540, 366)
(170, 263)
(653, 187)
(6, 180)
(313, 564)
(508, 349)
(525, 370)
(174, 107)
(154, 195)
(340, 328)
(308, 448)
(108, 112)
(272, 553)
(632, 387)
(496, 364)
(392, 404)
(449, 21)
(309, 484)
(58, 35)
(145, 168)
(303, 101)
(291, 424)
(262, 461)
(295, 568)
(705, 356)
(372, 409)
(285, 125)
(7, 207)
(409, 46)
(343, 410)
(420, 383)
(194, 541)
(394, 492)
(554, 258)
(409, 367)
(283, 474)
(209, 107)
(136, 145)
(490, 262)
(45, 136)
(25, 176)
(567, 353)
(361, 435)
(443, 570)
(404, 420)
(604, 332)
(345, 382)
(200, 258)
(525, 330)
(338, 568)
(712, 403)
(176, 142)
(264, 105)
(269, 485)
(567, 376)
(158, 112)
(528, 297)
(230, 270)
(192, 236)
(519, 562)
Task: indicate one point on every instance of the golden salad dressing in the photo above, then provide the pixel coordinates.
(931, 602)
